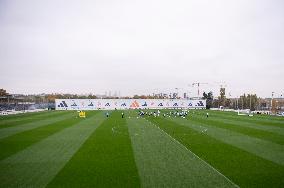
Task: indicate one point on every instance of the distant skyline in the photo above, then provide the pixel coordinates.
(142, 47)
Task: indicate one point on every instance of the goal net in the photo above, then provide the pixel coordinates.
(245, 112)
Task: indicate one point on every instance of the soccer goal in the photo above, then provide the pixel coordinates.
(245, 112)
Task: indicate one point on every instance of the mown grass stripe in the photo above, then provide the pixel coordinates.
(105, 160)
(30, 118)
(38, 164)
(233, 119)
(13, 144)
(262, 148)
(6, 132)
(21, 115)
(257, 120)
(244, 168)
(162, 162)
(250, 131)
(272, 129)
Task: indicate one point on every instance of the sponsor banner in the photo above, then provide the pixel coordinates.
(111, 104)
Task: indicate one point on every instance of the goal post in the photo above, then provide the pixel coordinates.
(245, 112)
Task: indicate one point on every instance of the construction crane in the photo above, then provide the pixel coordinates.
(198, 85)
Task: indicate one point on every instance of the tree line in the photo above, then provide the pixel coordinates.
(245, 101)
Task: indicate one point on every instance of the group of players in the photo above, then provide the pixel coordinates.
(175, 113)
(141, 113)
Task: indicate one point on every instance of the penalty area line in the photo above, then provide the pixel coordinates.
(214, 169)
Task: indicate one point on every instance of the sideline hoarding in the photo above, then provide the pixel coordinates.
(111, 104)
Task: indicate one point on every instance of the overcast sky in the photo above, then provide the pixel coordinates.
(141, 46)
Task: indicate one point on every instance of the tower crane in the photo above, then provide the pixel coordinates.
(198, 85)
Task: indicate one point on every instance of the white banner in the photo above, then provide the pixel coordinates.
(111, 104)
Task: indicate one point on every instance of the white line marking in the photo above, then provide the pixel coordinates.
(194, 154)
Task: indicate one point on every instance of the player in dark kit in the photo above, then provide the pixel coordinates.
(122, 115)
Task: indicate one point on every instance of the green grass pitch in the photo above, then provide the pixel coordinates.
(58, 149)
